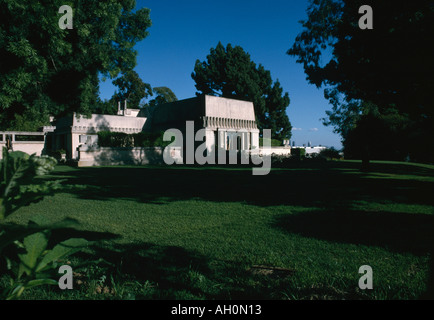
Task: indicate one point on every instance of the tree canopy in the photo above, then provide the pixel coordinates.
(132, 89)
(382, 74)
(45, 70)
(229, 72)
(162, 95)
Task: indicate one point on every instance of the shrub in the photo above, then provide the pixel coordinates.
(114, 139)
(330, 153)
(145, 139)
(121, 139)
(298, 157)
(58, 154)
(298, 153)
(280, 160)
(273, 142)
(25, 250)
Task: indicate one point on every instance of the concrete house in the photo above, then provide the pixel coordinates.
(229, 124)
(214, 123)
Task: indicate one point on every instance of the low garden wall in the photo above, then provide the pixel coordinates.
(28, 142)
(281, 151)
(109, 156)
(29, 147)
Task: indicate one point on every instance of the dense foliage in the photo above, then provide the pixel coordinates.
(124, 140)
(378, 81)
(25, 252)
(45, 70)
(162, 95)
(229, 72)
(131, 89)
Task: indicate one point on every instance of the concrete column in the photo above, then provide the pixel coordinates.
(245, 142)
(254, 139)
(210, 140)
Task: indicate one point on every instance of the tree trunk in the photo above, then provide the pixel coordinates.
(365, 160)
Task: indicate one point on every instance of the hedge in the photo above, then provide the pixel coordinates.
(121, 139)
(273, 142)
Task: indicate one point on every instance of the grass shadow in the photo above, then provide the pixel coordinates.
(397, 232)
(177, 273)
(336, 183)
(333, 188)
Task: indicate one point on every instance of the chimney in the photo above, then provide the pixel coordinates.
(119, 108)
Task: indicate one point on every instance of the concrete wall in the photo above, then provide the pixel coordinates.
(311, 150)
(30, 147)
(229, 108)
(75, 126)
(175, 114)
(151, 155)
(218, 112)
(99, 122)
(124, 156)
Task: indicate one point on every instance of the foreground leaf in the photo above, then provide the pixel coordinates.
(62, 250)
(35, 245)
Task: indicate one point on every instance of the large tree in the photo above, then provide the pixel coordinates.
(132, 89)
(162, 95)
(380, 76)
(46, 70)
(229, 72)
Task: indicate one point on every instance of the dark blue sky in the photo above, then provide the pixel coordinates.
(183, 31)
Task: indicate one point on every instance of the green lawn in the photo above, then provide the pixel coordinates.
(207, 233)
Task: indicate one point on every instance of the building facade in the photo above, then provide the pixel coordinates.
(227, 124)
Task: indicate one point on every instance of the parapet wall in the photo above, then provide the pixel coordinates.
(29, 147)
(89, 157)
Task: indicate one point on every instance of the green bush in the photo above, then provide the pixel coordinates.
(330, 153)
(145, 139)
(298, 157)
(58, 154)
(25, 253)
(298, 153)
(120, 139)
(114, 139)
(273, 142)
